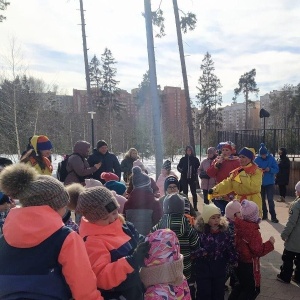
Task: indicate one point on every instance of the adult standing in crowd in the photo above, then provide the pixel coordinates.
(220, 168)
(78, 168)
(39, 155)
(269, 166)
(283, 175)
(188, 168)
(109, 162)
(127, 163)
(207, 182)
(245, 180)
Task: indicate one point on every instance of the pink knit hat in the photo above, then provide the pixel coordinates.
(232, 208)
(250, 211)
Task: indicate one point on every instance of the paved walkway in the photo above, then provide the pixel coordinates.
(270, 264)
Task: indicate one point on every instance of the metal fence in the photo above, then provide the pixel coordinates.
(273, 139)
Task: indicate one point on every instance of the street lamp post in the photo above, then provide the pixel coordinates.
(264, 114)
(92, 123)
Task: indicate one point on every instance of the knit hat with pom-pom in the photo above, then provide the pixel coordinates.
(167, 165)
(140, 179)
(94, 203)
(263, 150)
(20, 181)
(250, 211)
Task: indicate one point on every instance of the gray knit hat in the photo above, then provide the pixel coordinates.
(23, 182)
(173, 204)
(96, 203)
(140, 179)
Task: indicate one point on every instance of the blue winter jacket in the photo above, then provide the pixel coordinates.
(269, 161)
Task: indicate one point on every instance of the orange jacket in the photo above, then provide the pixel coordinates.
(100, 242)
(27, 227)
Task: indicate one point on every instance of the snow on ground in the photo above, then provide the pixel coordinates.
(148, 163)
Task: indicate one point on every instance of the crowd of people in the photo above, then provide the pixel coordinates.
(138, 238)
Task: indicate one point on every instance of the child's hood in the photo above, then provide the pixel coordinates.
(200, 225)
(27, 227)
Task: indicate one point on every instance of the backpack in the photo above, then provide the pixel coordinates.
(62, 172)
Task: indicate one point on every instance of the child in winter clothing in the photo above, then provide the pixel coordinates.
(118, 189)
(154, 187)
(250, 248)
(174, 218)
(43, 258)
(232, 211)
(141, 208)
(165, 172)
(291, 237)
(162, 275)
(171, 186)
(111, 243)
(215, 252)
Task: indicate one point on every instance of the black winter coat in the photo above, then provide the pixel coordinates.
(283, 176)
(109, 162)
(188, 167)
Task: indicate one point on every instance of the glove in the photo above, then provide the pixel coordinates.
(136, 260)
(210, 191)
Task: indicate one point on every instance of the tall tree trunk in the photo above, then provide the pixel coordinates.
(86, 66)
(153, 88)
(246, 116)
(184, 76)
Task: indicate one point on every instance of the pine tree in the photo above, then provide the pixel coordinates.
(247, 85)
(95, 79)
(209, 96)
(109, 90)
(3, 6)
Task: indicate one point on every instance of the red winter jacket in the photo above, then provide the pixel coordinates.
(249, 242)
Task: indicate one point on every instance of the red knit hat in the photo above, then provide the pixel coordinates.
(228, 146)
(109, 176)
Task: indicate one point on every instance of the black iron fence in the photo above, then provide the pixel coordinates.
(273, 139)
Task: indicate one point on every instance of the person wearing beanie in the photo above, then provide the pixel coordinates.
(174, 219)
(244, 181)
(162, 273)
(207, 182)
(39, 155)
(250, 248)
(36, 249)
(111, 243)
(127, 163)
(118, 189)
(142, 208)
(78, 167)
(283, 175)
(109, 176)
(171, 186)
(108, 161)
(269, 166)
(188, 168)
(165, 172)
(291, 237)
(219, 169)
(216, 250)
(154, 187)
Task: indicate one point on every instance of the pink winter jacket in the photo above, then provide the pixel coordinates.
(206, 184)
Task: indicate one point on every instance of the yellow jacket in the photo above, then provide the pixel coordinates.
(48, 169)
(245, 182)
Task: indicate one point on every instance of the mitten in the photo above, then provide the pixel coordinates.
(136, 260)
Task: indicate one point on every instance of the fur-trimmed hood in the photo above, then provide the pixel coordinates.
(201, 227)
